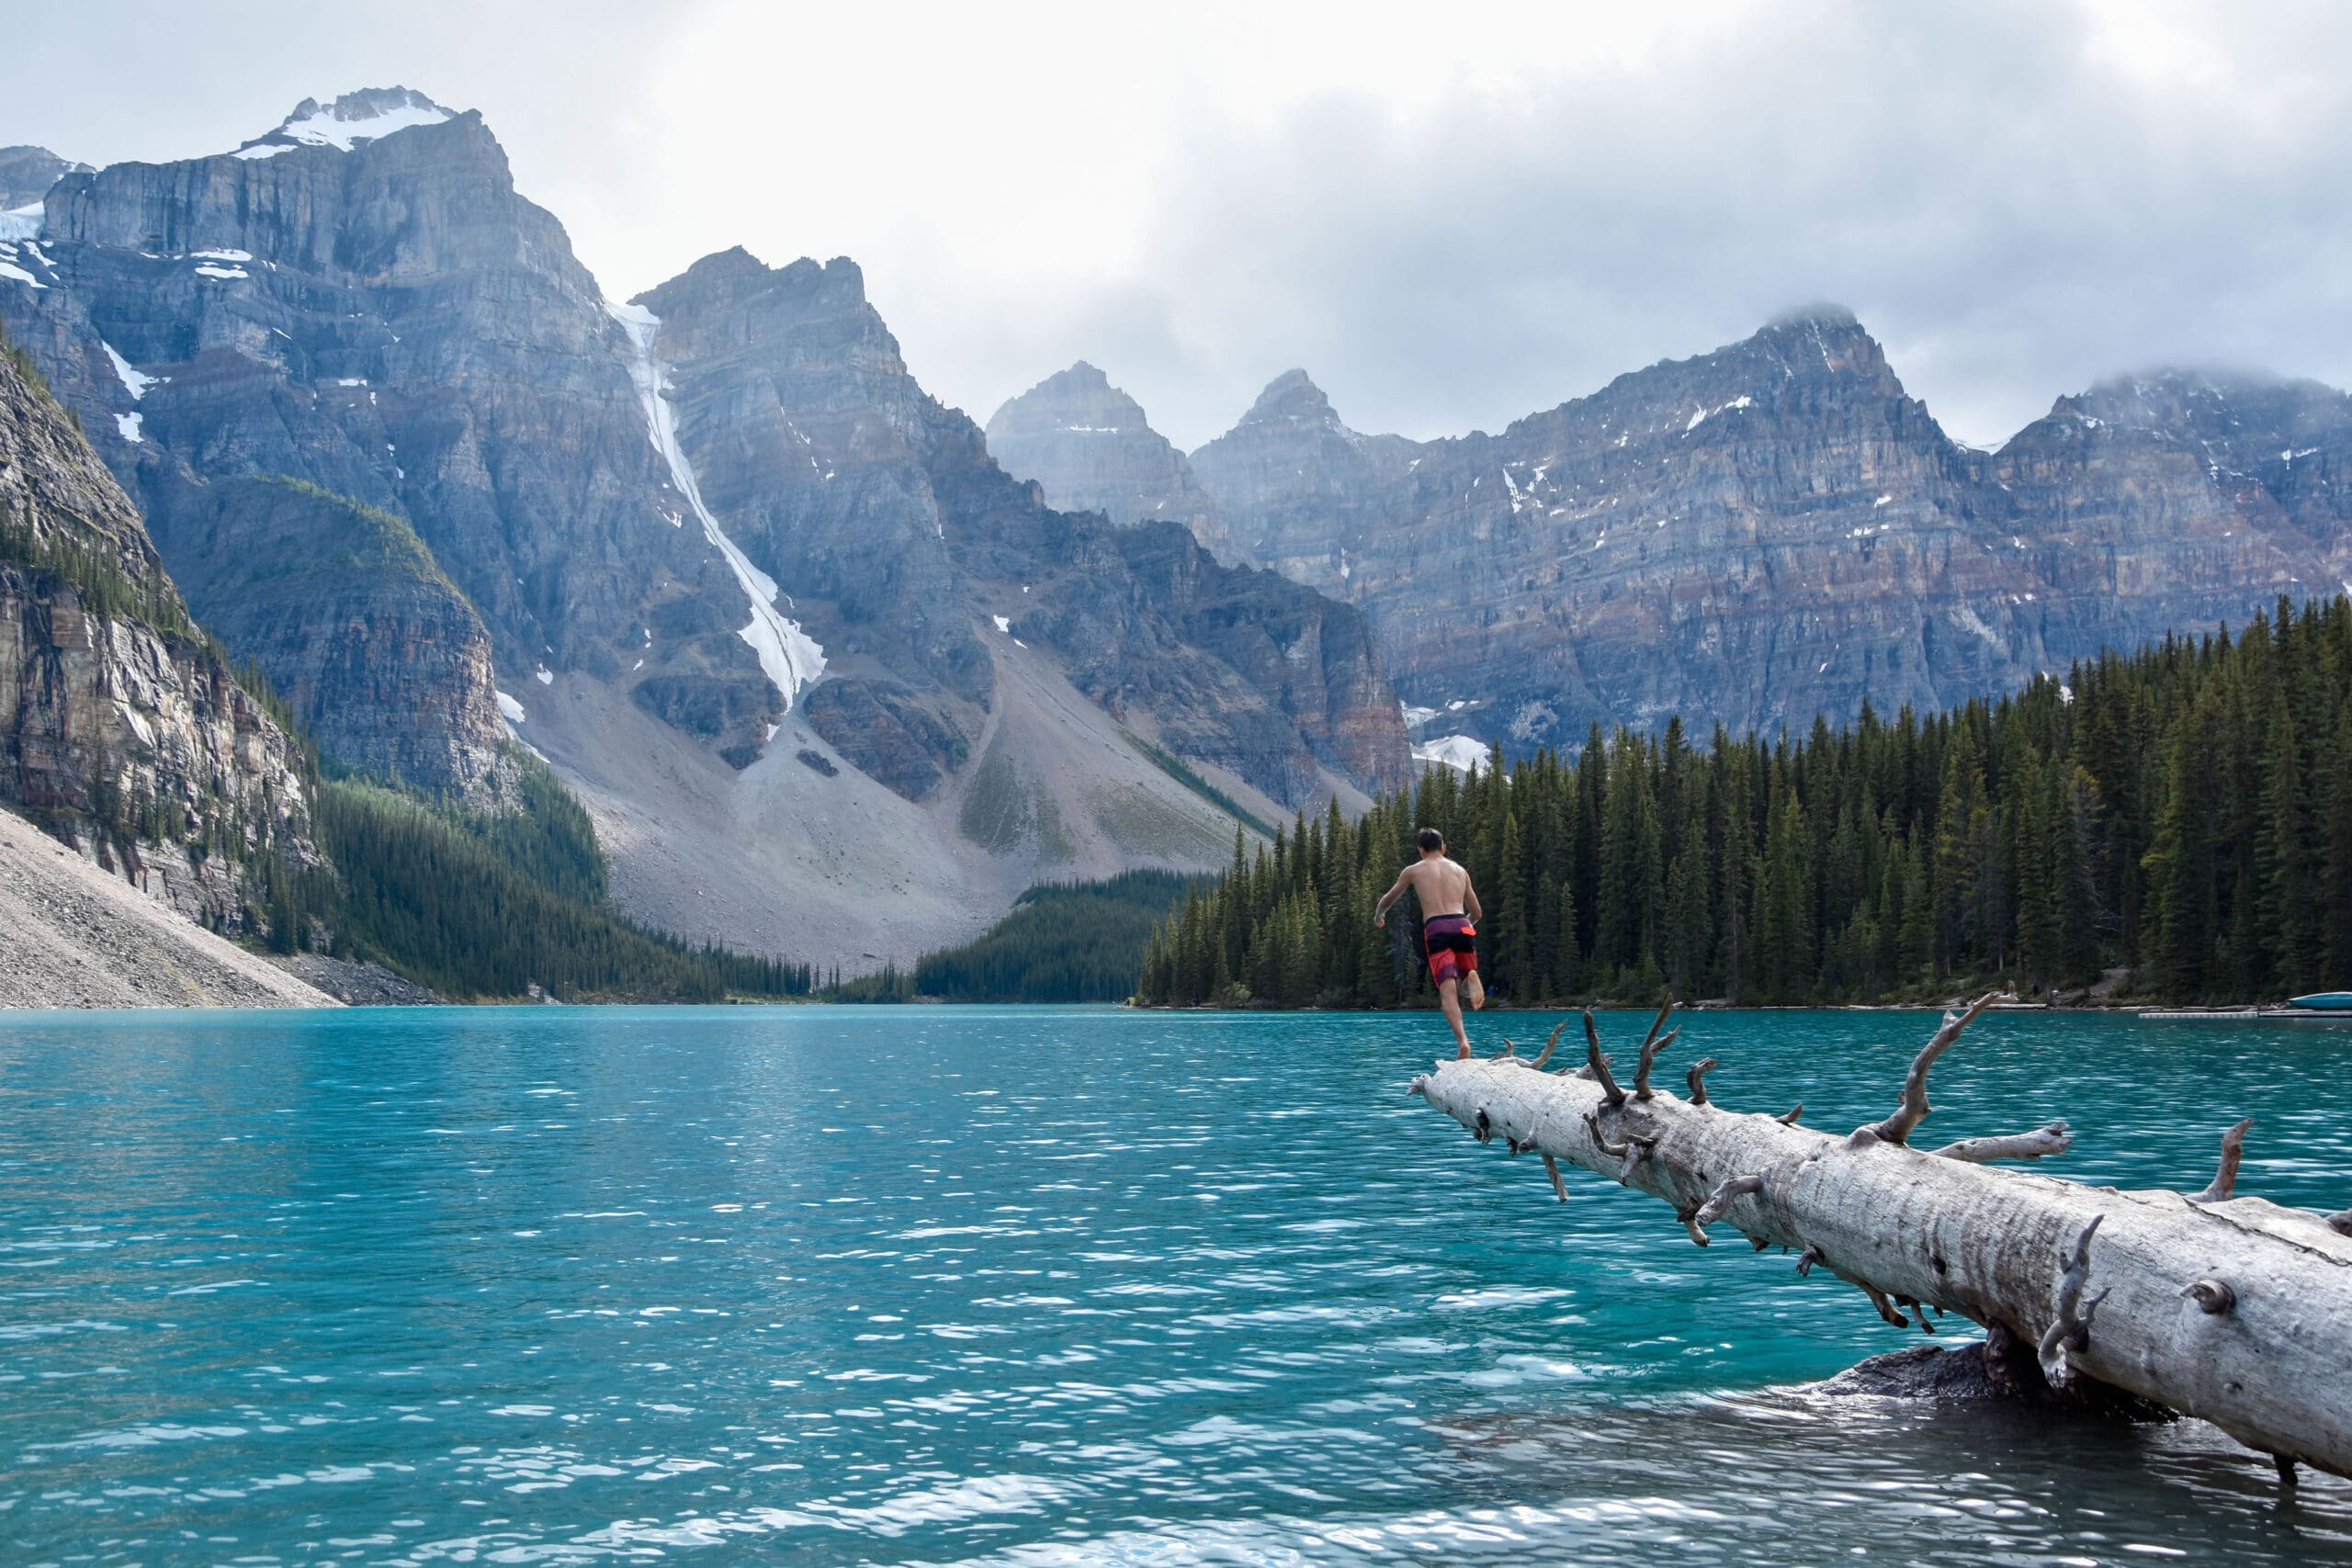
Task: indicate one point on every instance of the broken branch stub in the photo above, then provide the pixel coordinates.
(1652, 1044)
(1650, 1054)
(1730, 1192)
(2213, 1296)
(1599, 1064)
(1885, 1308)
(2114, 1303)
(1914, 1109)
(2070, 1322)
(2226, 1178)
(1697, 1079)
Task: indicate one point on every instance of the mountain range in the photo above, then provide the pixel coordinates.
(836, 673)
(831, 682)
(1750, 538)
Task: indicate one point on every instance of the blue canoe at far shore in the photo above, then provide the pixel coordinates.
(2324, 1002)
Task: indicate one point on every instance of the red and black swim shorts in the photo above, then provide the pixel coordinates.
(1452, 944)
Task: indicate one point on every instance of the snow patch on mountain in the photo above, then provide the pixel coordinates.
(355, 118)
(789, 657)
(21, 223)
(1460, 752)
(134, 381)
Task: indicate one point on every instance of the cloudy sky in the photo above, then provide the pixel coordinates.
(1452, 216)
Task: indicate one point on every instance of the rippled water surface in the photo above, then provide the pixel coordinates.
(1022, 1286)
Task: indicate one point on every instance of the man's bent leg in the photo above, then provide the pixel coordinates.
(1449, 998)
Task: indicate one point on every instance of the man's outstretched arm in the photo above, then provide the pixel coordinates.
(1396, 891)
(1470, 900)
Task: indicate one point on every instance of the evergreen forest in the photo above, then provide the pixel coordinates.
(2173, 825)
(480, 906)
(1064, 942)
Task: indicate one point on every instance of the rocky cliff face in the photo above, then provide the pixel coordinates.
(1777, 529)
(900, 539)
(27, 172)
(1294, 488)
(350, 616)
(360, 301)
(120, 729)
(1090, 446)
(2178, 501)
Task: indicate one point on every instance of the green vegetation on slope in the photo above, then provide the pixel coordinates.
(1064, 942)
(468, 906)
(477, 905)
(365, 537)
(93, 569)
(1176, 768)
(2184, 812)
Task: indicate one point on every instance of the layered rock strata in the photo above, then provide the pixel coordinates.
(121, 729)
(1777, 530)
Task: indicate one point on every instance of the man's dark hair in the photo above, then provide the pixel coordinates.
(1430, 839)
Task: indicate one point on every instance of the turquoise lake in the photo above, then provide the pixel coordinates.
(1025, 1286)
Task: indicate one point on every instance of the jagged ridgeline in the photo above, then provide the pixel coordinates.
(2178, 814)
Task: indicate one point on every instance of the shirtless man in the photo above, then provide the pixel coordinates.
(1448, 906)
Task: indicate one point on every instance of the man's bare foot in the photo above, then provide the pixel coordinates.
(1462, 1054)
(1477, 992)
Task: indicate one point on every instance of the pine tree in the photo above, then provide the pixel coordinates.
(2336, 923)
(1784, 936)
(1514, 966)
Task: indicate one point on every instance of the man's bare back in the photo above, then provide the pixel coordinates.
(1442, 887)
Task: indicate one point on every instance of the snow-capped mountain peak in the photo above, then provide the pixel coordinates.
(369, 115)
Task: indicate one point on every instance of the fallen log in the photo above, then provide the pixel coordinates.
(2235, 1310)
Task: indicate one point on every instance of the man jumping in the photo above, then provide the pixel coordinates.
(1448, 906)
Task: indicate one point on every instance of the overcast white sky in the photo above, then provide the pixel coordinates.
(1450, 215)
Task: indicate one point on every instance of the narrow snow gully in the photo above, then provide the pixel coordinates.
(789, 657)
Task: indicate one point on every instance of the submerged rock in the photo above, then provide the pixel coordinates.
(1982, 1370)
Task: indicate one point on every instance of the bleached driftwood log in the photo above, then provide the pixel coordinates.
(2232, 1309)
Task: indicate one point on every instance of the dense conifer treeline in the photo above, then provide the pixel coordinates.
(482, 907)
(2184, 812)
(1064, 942)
